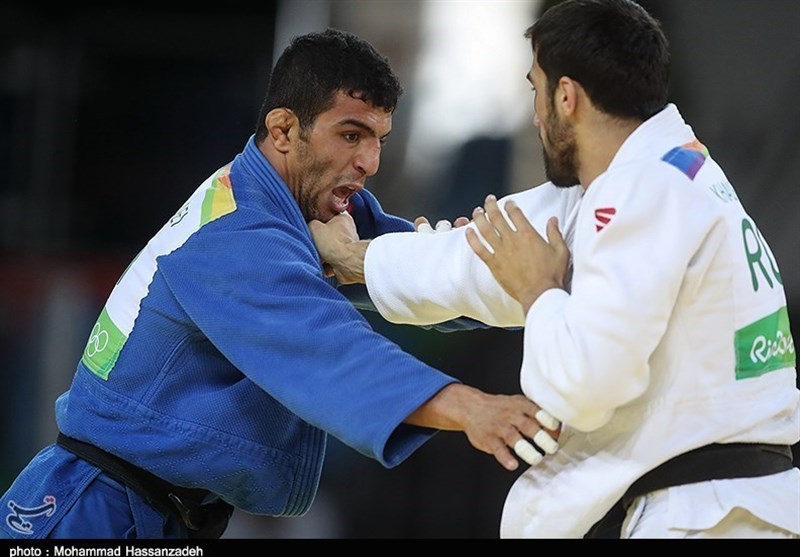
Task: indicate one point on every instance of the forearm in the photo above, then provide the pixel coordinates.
(423, 279)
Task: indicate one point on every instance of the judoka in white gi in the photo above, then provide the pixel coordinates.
(656, 324)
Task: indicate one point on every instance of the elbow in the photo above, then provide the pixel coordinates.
(582, 406)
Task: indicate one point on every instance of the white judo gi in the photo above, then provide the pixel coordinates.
(674, 335)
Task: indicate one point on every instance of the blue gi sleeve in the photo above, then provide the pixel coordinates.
(258, 294)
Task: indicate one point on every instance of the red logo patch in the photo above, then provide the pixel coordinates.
(603, 217)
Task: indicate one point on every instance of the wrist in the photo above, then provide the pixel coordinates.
(529, 298)
(350, 268)
(447, 410)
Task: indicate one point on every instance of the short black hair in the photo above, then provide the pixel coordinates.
(615, 49)
(316, 66)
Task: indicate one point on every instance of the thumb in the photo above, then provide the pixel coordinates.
(556, 241)
(554, 236)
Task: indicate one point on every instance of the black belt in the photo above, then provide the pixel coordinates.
(711, 462)
(714, 462)
(201, 520)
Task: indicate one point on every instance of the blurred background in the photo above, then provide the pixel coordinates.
(111, 116)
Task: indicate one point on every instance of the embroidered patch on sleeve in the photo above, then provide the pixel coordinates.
(689, 158)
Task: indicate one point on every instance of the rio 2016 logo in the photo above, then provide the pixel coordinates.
(98, 341)
(764, 349)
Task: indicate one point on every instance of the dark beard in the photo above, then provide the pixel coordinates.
(560, 169)
(308, 205)
(306, 193)
(561, 163)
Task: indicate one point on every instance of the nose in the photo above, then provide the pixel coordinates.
(368, 159)
(536, 121)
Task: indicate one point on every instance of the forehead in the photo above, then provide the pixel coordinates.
(536, 73)
(347, 110)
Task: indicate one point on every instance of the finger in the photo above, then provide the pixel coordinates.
(554, 236)
(546, 420)
(315, 226)
(460, 221)
(503, 455)
(527, 452)
(543, 440)
(443, 226)
(477, 245)
(423, 225)
(496, 216)
(344, 215)
(518, 218)
(485, 227)
(344, 222)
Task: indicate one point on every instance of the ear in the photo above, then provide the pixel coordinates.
(566, 95)
(282, 125)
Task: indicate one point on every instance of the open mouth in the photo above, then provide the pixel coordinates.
(340, 198)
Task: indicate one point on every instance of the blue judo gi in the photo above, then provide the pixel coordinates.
(221, 361)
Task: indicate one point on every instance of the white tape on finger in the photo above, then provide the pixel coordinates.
(425, 228)
(443, 226)
(548, 421)
(545, 442)
(527, 452)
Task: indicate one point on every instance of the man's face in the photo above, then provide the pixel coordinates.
(556, 133)
(334, 157)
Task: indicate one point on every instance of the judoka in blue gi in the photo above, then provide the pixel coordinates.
(224, 355)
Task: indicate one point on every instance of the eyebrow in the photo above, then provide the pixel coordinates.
(361, 125)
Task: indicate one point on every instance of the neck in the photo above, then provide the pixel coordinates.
(599, 140)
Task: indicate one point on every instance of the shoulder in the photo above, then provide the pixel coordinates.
(547, 197)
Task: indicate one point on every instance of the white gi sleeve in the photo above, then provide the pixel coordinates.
(423, 279)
